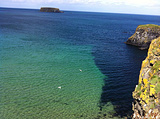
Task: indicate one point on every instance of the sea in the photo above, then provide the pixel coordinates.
(71, 65)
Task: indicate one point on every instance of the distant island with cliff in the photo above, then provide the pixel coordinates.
(50, 9)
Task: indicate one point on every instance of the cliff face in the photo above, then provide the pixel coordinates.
(49, 9)
(146, 96)
(143, 36)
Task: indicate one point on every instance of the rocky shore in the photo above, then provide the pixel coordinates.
(143, 36)
(146, 95)
(50, 9)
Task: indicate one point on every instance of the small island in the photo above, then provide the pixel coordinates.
(50, 9)
(143, 36)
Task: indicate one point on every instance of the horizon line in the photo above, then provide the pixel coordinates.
(83, 11)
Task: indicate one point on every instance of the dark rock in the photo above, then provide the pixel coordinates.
(50, 9)
(143, 36)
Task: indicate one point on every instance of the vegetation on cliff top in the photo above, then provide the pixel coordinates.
(152, 26)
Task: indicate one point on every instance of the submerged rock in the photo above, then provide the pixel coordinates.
(50, 9)
(146, 95)
(143, 36)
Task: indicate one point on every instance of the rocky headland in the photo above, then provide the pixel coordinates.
(143, 36)
(50, 9)
(146, 95)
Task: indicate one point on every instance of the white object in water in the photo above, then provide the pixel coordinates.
(59, 87)
(80, 70)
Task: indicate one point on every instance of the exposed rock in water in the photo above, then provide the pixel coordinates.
(143, 36)
(50, 9)
(146, 95)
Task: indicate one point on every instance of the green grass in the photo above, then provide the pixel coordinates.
(156, 65)
(157, 88)
(138, 87)
(154, 80)
(149, 26)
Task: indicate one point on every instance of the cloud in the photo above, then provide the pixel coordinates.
(142, 2)
(17, 0)
(118, 6)
(137, 3)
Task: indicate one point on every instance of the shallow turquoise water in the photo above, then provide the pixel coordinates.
(48, 81)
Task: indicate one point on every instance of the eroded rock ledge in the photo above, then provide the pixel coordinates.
(146, 96)
(143, 36)
(50, 9)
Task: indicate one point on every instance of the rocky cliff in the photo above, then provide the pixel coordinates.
(49, 9)
(146, 95)
(143, 36)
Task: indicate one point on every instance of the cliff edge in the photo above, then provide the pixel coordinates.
(50, 9)
(143, 36)
(146, 95)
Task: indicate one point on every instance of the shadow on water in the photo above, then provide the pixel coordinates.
(112, 92)
(122, 72)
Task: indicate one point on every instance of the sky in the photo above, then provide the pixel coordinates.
(150, 7)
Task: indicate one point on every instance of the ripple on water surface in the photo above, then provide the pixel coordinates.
(49, 81)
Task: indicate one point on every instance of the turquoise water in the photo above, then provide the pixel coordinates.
(33, 73)
(67, 66)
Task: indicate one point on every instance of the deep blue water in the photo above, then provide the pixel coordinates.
(84, 52)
